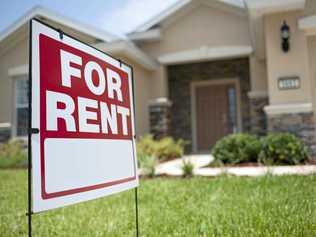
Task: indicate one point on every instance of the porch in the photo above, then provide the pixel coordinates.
(208, 100)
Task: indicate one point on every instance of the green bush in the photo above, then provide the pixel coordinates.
(282, 149)
(236, 148)
(164, 149)
(13, 155)
(147, 164)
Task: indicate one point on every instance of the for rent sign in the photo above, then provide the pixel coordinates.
(82, 104)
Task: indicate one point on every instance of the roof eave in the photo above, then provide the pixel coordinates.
(152, 35)
(130, 50)
(156, 19)
(38, 12)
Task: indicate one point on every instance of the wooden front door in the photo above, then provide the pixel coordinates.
(215, 114)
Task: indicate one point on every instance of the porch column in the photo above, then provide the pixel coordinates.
(159, 115)
(258, 119)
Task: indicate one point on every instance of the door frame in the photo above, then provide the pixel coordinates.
(224, 81)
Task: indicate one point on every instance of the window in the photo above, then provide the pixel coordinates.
(232, 108)
(21, 102)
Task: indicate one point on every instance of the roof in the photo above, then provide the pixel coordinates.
(224, 4)
(103, 40)
(41, 12)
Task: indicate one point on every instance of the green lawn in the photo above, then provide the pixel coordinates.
(224, 206)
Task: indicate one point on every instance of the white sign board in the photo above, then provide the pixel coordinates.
(82, 104)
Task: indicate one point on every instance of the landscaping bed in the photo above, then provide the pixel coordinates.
(224, 206)
(249, 150)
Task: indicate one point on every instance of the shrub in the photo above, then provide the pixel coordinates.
(282, 149)
(145, 146)
(187, 168)
(13, 155)
(236, 148)
(168, 148)
(147, 164)
(164, 149)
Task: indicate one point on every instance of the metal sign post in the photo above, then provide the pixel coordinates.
(136, 211)
(29, 149)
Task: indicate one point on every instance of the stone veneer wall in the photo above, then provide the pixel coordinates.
(159, 116)
(258, 117)
(302, 125)
(180, 78)
(5, 134)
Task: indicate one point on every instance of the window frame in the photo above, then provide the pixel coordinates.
(17, 106)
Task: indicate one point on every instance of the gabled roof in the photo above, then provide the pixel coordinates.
(98, 38)
(41, 12)
(223, 4)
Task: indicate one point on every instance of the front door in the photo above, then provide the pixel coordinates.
(216, 113)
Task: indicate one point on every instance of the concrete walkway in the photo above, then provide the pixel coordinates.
(258, 171)
(173, 168)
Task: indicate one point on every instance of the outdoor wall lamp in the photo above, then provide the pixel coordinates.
(285, 37)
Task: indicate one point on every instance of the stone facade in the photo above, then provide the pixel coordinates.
(5, 134)
(159, 115)
(258, 117)
(179, 81)
(302, 125)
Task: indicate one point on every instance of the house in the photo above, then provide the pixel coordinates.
(203, 69)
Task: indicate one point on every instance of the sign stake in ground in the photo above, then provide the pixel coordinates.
(81, 126)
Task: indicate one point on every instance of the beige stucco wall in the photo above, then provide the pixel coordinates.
(142, 83)
(192, 29)
(312, 62)
(310, 7)
(293, 63)
(258, 75)
(158, 82)
(16, 56)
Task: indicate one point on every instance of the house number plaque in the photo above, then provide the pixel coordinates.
(289, 83)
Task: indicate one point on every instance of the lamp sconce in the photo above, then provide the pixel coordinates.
(285, 37)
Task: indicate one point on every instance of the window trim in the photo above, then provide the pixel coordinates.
(22, 76)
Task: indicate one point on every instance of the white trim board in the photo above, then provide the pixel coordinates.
(5, 125)
(148, 36)
(288, 108)
(19, 70)
(308, 24)
(205, 53)
(258, 94)
(271, 6)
